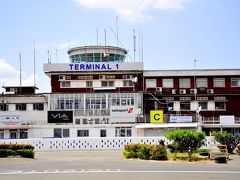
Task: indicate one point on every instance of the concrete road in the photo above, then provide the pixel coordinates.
(111, 165)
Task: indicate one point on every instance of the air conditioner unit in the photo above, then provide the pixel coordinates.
(158, 89)
(129, 77)
(102, 77)
(193, 91)
(210, 91)
(61, 77)
(174, 91)
(68, 77)
(182, 91)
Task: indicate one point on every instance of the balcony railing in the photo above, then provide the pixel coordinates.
(216, 120)
(166, 118)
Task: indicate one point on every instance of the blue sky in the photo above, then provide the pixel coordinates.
(175, 32)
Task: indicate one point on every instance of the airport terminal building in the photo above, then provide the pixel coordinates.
(99, 94)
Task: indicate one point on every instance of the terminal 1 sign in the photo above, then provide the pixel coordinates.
(93, 66)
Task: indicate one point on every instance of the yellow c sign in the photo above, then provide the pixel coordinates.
(156, 116)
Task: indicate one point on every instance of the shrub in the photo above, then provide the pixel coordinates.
(238, 149)
(4, 146)
(128, 154)
(186, 141)
(28, 153)
(133, 148)
(144, 151)
(7, 152)
(227, 139)
(158, 152)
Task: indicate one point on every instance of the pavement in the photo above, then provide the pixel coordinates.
(110, 164)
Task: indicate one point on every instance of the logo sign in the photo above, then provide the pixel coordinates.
(60, 117)
(156, 116)
(120, 114)
(10, 119)
(180, 119)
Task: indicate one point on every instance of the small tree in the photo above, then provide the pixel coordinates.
(227, 139)
(186, 141)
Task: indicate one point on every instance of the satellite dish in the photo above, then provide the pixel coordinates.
(135, 79)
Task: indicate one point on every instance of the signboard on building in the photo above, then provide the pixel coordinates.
(180, 119)
(122, 114)
(108, 66)
(227, 120)
(156, 116)
(60, 116)
(10, 119)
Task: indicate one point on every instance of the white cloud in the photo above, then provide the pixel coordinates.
(9, 75)
(134, 10)
(56, 45)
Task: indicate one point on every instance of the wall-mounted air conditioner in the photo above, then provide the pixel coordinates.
(174, 91)
(68, 77)
(210, 91)
(102, 77)
(62, 77)
(193, 91)
(158, 89)
(182, 91)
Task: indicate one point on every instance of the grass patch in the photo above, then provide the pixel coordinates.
(185, 157)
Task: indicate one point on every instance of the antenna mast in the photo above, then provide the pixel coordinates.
(97, 36)
(117, 29)
(105, 35)
(20, 71)
(34, 64)
(134, 45)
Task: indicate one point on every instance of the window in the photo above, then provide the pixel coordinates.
(184, 83)
(61, 133)
(167, 83)
(203, 104)
(21, 107)
(201, 82)
(103, 133)
(127, 83)
(65, 132)
(13, 134)
(151, 83)
(123, 131)
(57, 133)
(235, 82)
(219, 105)
(38, 106)
(23, 134)
(64, 84)
(89, 84)
(3, 107)
(107, 83)
(1, 134)
(219, 82)
(77, 121)
(82, 133)
(185, 106)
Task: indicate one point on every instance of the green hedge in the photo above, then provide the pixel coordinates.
(145, 151)
(23, 150)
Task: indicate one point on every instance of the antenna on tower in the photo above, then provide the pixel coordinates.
(20, 71)
(97, 36)
(105, 35)
(142, 45)
(56, 55)
(134, 45)
(117, 29)
(34, 64)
